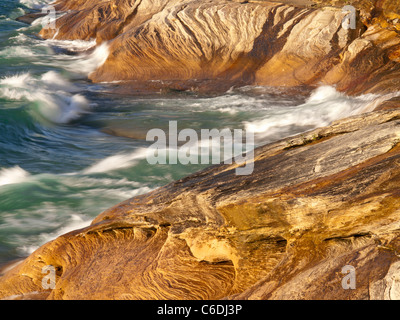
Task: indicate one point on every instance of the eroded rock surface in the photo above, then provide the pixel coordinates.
(252, 42)
(315, 202)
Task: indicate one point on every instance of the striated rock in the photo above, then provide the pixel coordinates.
(30, 17)
(392, 103)
(188, 41)
(256, 42)
(315, 203)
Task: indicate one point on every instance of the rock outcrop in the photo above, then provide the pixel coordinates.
(256, 42)
(315, 203)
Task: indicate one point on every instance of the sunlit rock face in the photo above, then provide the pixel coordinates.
(315, 203)
(256, 42)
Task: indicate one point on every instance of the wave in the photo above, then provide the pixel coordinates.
(116, 162)
(82, 62)
(81, 57)
(87, 63)
(198, 149)
(13, 175)
(52, 94)
(35, 4)
(55, 212)
(17, 51)
(70, 45)
(244, 99)
(324, 106)
(75, 222)
(229, 103)
(61, 203)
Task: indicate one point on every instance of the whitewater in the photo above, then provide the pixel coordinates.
(69, 149)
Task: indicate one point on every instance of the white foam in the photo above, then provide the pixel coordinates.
(17, 12)
(111, 190)
(18, 80)
(54, 81)
(35, 4)
(230, 103)
(71, 45)
(53, 94)
(20, 38)
(324, 93)
(92, 61)
(323, 106)
(61, 109)
(13, 175)
(37, 21)
(83, 63)
(16, 51)
(121, 194)
(126, 160)
(116, 162)
(75, 222)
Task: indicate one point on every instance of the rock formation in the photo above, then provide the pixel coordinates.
(315, 202)
(256, 42)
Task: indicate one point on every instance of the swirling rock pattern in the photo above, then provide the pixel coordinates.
(315, 202)
(256, 42)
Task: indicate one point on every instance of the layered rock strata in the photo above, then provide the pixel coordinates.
(315, 203)
(256, 42)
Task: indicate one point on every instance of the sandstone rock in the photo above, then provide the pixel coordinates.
(30, 17)
(314, 204)
(256, 42)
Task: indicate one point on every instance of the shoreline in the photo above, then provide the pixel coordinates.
(316, 201)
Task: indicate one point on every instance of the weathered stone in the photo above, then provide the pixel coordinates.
(316, 202)
(30, 17)
(256, 42)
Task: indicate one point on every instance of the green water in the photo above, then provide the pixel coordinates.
(70, 149)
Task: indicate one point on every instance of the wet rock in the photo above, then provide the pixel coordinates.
(314, 204)
(255, 42)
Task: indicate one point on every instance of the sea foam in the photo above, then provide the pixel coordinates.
(324, 106)
(55, 97)
(13, 175)
(118, 161)
(35, 4)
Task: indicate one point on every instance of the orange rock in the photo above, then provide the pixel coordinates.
(315, 202)
(257, 42)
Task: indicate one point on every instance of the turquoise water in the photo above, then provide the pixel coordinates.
(70, 149)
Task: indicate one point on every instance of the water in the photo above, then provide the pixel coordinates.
(70, 149)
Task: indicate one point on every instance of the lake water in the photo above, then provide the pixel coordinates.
(69, 149)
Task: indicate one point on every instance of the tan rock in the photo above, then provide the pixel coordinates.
(235, 43)
(276, 234)
(315, 203)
